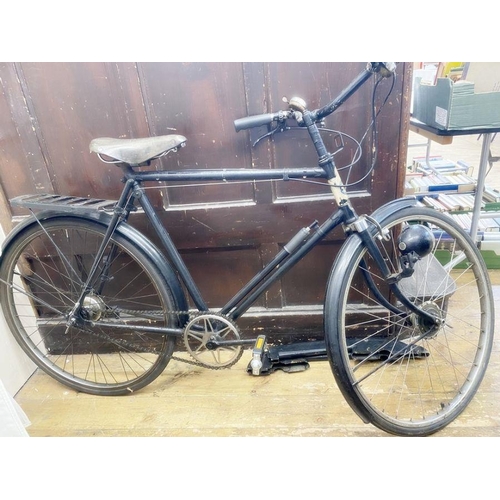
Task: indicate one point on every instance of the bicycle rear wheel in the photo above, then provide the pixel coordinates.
(398, 372)
(41, 278)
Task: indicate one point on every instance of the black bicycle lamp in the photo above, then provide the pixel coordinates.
(416, 238)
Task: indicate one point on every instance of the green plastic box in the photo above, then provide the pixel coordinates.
(455, 106)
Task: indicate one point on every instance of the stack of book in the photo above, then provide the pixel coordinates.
(426, 183)
(448, 187)
(449, 202)
(437, 164)
(491, 195)
(427, 175)
(485, 225)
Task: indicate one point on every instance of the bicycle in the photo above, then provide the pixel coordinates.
(97, 306)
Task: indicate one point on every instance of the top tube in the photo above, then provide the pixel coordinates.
(223, 174)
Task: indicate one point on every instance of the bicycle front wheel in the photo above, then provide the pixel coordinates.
(398, 371)
(41, 278)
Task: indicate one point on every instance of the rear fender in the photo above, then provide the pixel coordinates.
(126, 231)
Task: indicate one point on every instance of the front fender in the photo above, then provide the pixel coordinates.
(332, 296)
(393, 206)
(379, 215)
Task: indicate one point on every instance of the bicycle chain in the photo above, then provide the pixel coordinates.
(191, 315)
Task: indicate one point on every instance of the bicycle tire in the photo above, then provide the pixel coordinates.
(41, 278)
(396, 372)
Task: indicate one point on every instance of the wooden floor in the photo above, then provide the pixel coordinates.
(190, 401)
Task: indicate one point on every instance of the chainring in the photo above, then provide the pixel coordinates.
(205, 327)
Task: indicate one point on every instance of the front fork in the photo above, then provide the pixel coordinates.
(359, 224)
(361, 227)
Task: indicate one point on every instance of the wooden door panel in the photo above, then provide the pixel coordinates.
(221, 273)
(226, 232)
(305, 284)
(199, 101)
(74, 103)
(317, 84)
(23, 166)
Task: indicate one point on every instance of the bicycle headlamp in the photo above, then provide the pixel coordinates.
(416, 238)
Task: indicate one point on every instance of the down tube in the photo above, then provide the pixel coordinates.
(249, 295)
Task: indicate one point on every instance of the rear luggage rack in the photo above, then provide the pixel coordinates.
(62, 203)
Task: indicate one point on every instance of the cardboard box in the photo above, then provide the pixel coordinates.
(455, 106)
(485, 75)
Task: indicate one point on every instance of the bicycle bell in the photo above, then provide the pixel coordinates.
(297, 104)
(416, 238)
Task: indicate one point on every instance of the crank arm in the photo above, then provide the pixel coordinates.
(215, 344)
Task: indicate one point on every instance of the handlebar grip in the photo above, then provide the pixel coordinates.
(254, 121)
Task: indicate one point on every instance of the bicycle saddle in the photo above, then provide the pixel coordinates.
(136, 151)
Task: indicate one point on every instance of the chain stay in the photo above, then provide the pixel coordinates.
(190, 314)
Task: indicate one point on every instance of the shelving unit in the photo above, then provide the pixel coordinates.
(450, 187)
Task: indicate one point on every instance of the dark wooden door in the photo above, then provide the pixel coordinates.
(49, 112)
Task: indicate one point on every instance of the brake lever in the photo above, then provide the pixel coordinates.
(279, 128)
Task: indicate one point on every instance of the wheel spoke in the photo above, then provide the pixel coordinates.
(41, 278)
(406, 374)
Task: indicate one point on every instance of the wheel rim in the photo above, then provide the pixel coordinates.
(47, 271)
(425, 386)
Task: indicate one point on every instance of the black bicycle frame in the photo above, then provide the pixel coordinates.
(295, 249)
(292, 252)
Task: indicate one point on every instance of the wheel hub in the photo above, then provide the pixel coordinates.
(92, 308)
(427, 326)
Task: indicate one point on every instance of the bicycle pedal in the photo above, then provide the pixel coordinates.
(258, 350)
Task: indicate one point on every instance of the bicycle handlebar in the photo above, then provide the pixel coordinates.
(385, 69)
(255, 121)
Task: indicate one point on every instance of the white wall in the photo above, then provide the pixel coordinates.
(15, 366)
